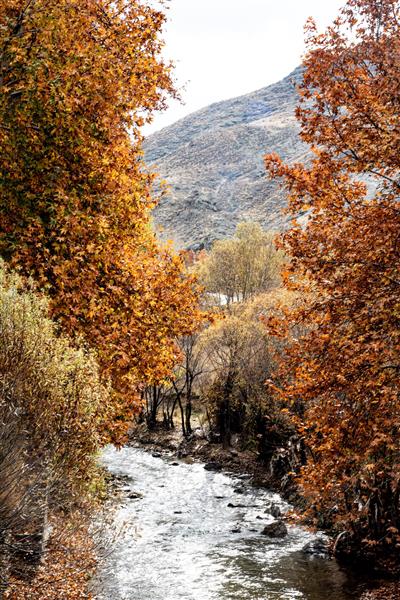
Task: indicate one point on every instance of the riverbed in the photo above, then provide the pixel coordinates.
(191, 534)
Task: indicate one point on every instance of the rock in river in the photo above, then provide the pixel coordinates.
(135, 495)
(275, 511)
(277, 529)
(213, 466)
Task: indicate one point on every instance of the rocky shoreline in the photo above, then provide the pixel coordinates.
(172, 444)
(199, 449)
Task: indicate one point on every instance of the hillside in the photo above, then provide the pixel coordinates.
(213, 163)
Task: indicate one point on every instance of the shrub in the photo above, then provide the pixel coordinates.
(51, 404)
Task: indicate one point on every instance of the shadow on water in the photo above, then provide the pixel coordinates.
(255, 575)
(190, 536)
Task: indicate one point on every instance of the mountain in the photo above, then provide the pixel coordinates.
(213, 163)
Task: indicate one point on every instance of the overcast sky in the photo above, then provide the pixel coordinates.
(225, 48)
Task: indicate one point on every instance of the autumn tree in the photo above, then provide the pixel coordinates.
(240, 355)
(237, 268)
(51, 404)
(345, 261)
(78, 79)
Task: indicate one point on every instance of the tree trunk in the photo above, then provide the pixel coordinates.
(225, 412)
(188, 414)
(182, 416)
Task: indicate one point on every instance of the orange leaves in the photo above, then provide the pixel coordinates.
(69, 564)
(347, 257)
(74, 196)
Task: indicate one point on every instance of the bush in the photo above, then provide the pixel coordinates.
(242, 356)
(51, 404)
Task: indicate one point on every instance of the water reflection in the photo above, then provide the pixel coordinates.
(183, 541)
(255, 575)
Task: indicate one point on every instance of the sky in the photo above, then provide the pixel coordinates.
(226, 48)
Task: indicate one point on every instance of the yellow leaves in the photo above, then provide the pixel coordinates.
(370, 467)
(80, 196)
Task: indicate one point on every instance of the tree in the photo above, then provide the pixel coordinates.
(345, 261)
(179, 389)
(78, 79)
(191, 367)
(154, 396)
(51, 404)
(240, 356)
(242, 266)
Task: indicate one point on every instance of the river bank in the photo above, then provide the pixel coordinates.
(190, 533)
(198, 449)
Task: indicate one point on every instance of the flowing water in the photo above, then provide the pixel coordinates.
(181, 540)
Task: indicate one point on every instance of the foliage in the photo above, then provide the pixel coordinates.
(78, 79)
(51, 405)
(226, 364)
(242, 266)
(345, 367)
(241, 355)
(70, 564)
(223, 367)
(50, 388)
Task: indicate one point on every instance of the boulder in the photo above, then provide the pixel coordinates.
(231, 505)
(277, 529)
(275, 511)
(213, 466)
(134, 495)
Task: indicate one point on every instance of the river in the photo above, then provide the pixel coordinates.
(181, 540)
